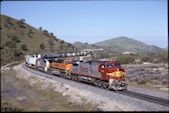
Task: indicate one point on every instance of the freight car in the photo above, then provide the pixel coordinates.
(107, 74)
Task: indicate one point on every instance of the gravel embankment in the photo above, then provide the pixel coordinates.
(108, 100)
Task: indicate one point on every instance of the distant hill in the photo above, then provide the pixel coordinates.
(128, 44)
(117, 46)
(165, 49)
(19, 39)
(82, 46)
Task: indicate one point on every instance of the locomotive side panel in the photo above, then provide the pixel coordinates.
(87, 68)
(40, 63)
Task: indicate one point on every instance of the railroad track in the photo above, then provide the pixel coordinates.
(137, 95)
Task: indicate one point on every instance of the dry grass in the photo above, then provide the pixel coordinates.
(32, 98)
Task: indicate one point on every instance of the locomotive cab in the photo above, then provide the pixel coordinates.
(114, 73)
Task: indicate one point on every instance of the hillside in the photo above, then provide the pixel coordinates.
(128, 44)
(117, 46)
(19, 39)
(82, 46)
(165, 49)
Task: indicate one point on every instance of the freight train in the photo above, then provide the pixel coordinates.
(107, 74)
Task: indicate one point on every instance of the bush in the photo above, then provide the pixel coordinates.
(10, 44)
(7, 107)
(31, 31)
(6, 25)
(125, 59)
(147, 58)
(15, 39)
(29, 34)
(40, 28)
(45, 32)
(42, 46)
(163, 57)
(61, 41)
(9, 35)
(18, 53)
(50, 42)
(144, 81)
(24, 47)
(21, 23)
(8, 20)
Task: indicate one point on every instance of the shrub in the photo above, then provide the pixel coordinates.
(10, 44)
(163, 57)
(50, 42)
(24, 47)
(42, 46)
(6, 25)
(8, 20)
(31, 31)
(9, 35)
(15, 39)
(144, 81)
(62, 41)
(147, 58)
(29, 34)
(18, 53)
(40, 28)
(22, 32)
(125, 59)
(21, 23)
(7, 107)
(45, 32)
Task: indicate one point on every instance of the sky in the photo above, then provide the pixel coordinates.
(95, 21)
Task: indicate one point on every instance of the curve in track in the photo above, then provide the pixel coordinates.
(137, 95)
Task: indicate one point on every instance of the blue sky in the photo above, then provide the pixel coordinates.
(94, 21)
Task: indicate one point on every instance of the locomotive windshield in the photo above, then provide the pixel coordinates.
(117, 65)
(68, 62)
(109, 65)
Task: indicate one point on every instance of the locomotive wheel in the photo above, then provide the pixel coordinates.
(105, 85)
(99, 84)
(95, 83)
(73, 78)
(115, 88)
(78, 79)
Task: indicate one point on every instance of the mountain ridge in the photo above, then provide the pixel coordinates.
(121, 44)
